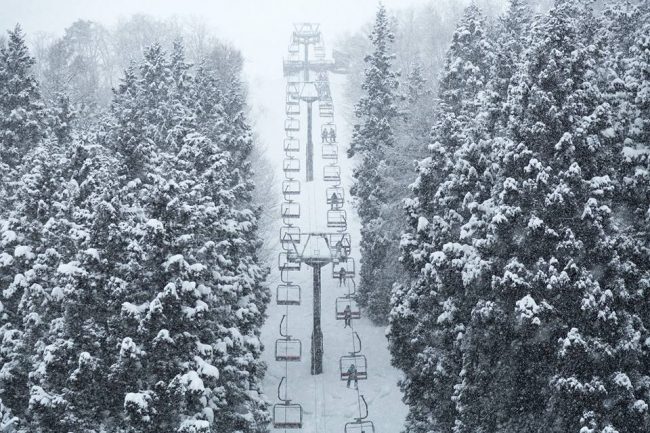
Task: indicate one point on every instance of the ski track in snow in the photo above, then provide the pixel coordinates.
(326, 402)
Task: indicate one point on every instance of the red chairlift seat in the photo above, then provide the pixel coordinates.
(359, 426)
(288, 349)
(286, 415)
(341, 303)
(359, 361)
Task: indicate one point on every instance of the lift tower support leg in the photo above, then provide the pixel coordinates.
(310, 145)
(317, 334)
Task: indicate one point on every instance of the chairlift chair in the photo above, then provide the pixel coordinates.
(291, 165)
(330, 151)
(292, 109)
(287, 348)
(291, 124)
(342, 244)
(332, 173)
(289, 237)
(337, 218)
(341, 303)
(288, 261)
(328, 127)
(293, 92)
(288, 294)
(335, 196)
(291, 145)
(359, 426)
(359, 361)
(286, 415)
(290, 188)
(361, 423)
(289, 211)
(294, 48)
(348, 265)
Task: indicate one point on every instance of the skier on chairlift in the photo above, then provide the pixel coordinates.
(338, 248)
(347, 316)
(335, 200)
(324, 135)
(332, 135)
(352, 375)
(341, 276)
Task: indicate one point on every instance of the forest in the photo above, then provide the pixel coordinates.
(499, 156)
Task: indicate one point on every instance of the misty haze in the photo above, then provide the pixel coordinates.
(325, 216)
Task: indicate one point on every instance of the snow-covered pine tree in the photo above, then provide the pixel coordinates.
(562, 270)
(21, 111)
(376, 112)
(429, 315)
(29, 182)
(174, 314)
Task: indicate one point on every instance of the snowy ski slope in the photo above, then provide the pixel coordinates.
(326, 401)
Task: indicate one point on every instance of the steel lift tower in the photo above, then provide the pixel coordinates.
(305, 35)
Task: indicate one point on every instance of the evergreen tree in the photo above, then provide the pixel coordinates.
(429, 314)
(21, 111)
(376, 111)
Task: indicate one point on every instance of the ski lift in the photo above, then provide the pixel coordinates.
(291, 165)
(337, 218)
(335, 197)
(354, 358)
(287, 348)
(290, 210)
(288, 294)
(286, 415)
(342, 303)
(291, 124)
(292, 109)
(330, 151)
(342, 244)
(288, 261)
(289, 237)
(290, 188)
(327, 113)
(329, 127)
(347, 265)
(294, 48)
(332, 173)
(291, 145)
(319, 52)
(293, 92)
(360, 424)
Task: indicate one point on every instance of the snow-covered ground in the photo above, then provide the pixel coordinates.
(326, 401)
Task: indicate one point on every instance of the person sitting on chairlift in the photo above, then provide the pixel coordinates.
(347, 316)
(352, 375)
(341, 276)
(335, 200)
(324, 135)
(338, 248)
(332, 135)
